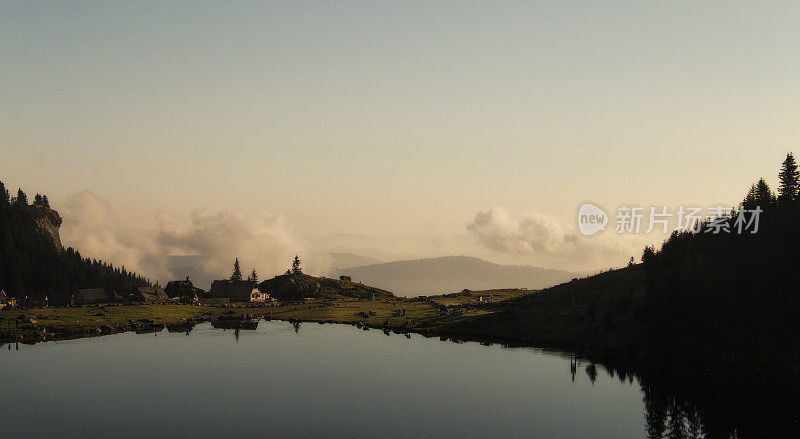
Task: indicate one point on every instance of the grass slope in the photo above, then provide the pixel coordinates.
(597, 312)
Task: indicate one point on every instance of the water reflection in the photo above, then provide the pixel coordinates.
(446, 387)
(694, 401)
(591, 372)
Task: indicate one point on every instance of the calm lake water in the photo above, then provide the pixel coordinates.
(330, 380)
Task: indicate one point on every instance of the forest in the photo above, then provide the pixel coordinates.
(34, 263)
(714, 291)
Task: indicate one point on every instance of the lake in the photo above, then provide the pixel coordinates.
(333, 380)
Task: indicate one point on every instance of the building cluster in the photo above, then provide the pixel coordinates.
(237, 291)
(182, 291)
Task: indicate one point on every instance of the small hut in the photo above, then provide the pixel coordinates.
(89, 295)
(152, 294)
(236, 290)
(182, 290)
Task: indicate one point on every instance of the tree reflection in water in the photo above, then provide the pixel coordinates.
(692, 401)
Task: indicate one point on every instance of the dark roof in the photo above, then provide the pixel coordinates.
(149, 294)
(237, 289)
(61, 299)
(181, 288)
(179, 284)
(90, 295)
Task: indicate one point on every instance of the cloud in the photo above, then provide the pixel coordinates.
(548, 241)
(204, 245)
(261, 240)
(90, 226)
(497, 230)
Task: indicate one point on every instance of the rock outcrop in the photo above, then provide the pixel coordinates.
(299, 286)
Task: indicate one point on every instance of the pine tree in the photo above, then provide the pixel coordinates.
(237, 271)
(789, 179)
(763, 194)
(4, 196)
(296, 266)
(750, 199)
(253, 276)
(648, 254)
(21, 199)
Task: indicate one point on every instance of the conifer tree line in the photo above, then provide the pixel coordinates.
(237, 273)
(732, 289)
(31, 264)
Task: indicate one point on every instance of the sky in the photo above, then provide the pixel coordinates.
(393, 119)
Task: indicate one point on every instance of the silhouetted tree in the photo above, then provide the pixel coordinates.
(789, 178)
(648, 253)
(4, 196)
(296, 266)
(21, 199)
(237, 271)
(764, 195)
(253, 276)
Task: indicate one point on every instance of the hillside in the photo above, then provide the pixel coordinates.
(597, 312)
(33, 261)
(299, 286)
(452, 273)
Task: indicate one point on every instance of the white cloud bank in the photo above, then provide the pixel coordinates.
(547, 241)
(213, 239)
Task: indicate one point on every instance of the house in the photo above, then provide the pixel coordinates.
(183, 290)
(235, 290)
(37, 301)
(7, 302)
(59, 299)
(149, 294)
(89, 295)
(347, 278)
(258, 296)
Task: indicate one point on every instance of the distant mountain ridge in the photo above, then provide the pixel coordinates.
(348, 260)
(452, 273)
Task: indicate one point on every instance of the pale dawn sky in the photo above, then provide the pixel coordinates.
(395, 118)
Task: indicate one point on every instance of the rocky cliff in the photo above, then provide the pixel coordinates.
(47, 221)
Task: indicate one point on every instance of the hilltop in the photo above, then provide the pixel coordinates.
(299, 286)
(453, 273)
